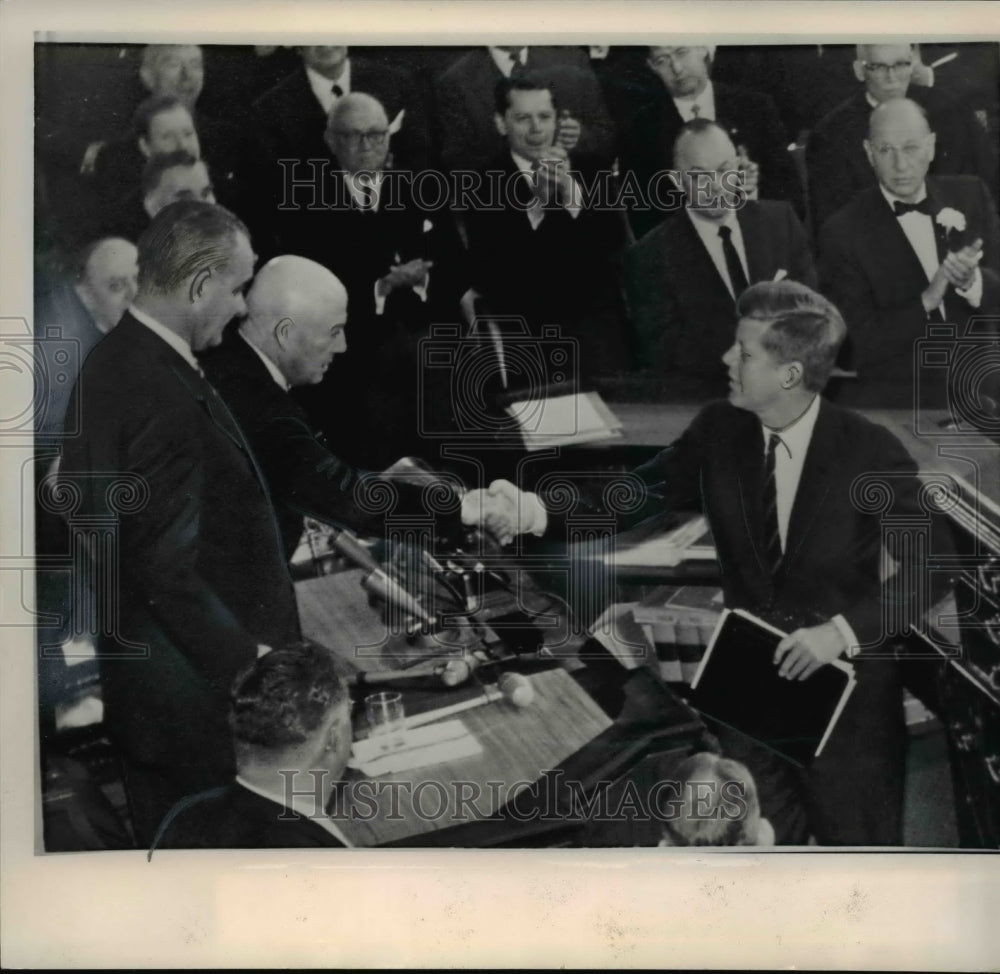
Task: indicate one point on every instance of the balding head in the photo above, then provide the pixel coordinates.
(703, 154)
(900, 147)
(107, 279)
(296, 311)
(357, 132)
(173, 69)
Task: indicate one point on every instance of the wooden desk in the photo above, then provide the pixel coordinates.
(565, 738)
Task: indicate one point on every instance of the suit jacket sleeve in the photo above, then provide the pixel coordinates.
(652, 304)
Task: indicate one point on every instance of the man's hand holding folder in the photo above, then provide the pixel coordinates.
(803, 652)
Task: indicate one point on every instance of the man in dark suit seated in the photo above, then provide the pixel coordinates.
(776, 470)
(400, 263)
(201, 579)
(912, 250)
(835, 157)
(688, 91)
(291, 725)
(683, 277)
(296, 311)
(466, 103)
(539, 249)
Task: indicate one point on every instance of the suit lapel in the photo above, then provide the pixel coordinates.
(892, 249)
(700, 266)
(749, 218)
(747, 450)
(814, 484)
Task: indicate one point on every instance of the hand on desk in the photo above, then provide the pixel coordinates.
(804, 651)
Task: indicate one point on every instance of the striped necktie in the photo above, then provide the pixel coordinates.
(772, 535)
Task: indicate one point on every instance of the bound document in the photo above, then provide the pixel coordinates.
(737, 684)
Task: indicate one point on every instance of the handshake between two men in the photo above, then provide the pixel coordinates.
(505, 511)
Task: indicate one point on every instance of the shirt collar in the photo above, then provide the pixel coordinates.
(174, 340)
(891, 198)
(797, 436)
(707, 229)
(276, 373)
(323, 87)
(705, 101)
(504, 62)
(305, 808)
(375, 182)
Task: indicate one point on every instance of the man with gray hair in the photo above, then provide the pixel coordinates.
(201, 580)
(835, 158)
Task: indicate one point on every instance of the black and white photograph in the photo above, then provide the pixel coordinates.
(438, 452)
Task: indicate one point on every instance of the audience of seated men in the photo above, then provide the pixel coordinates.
(166, 178)
(717, 805)
(290, 718)
(913, 250)
(541, 252)
(401, 265)
(835, 157)
(296, 311)
(687, 91)
(683, 278)
(466, 103)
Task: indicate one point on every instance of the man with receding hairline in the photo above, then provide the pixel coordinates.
(835, 158)
(913, 250)
(201, 580)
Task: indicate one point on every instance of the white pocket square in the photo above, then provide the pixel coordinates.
(780, 274)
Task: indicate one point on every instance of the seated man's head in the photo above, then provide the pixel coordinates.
(174, 176)
(786, 346)
(684, 70)
(195, 264)
(717, 805)
(290, 711)
(327, 61)
(296, 311)
(162, 124)
(526, 115)
(106, 279)
(357, 133)
(885, 69)
(900, 147)
(173, 69)
(703, 155)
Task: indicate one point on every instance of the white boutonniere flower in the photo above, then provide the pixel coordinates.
(951, 219)
(428, 226)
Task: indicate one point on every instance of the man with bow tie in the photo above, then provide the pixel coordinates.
(913, 250)
(196, 584)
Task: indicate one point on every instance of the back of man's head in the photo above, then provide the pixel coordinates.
(718, 805)
(184, 238)
(804, 327)
(282, 700)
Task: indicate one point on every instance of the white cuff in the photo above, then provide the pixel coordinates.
(974, 292)
(379, 301)
(847, 634)
(534, 515)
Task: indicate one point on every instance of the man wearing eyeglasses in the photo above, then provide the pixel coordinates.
(835, 158)
(398, 257)
(688, 92)
(911, 251)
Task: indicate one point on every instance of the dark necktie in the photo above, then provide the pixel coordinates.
(899, 208)
(772, 536)
(737, 276)
(337, 90)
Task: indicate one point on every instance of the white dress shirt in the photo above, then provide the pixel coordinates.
(304, 806)
(171, 338)
(504, 62)
(705, 103)
(536, 213)
(276, 373)
(919, 231)
(789, 458)
(323, 87)
(708, 231)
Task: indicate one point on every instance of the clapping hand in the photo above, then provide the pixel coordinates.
(410, 274)
(958, 269)
(568, 131)
(554, 183)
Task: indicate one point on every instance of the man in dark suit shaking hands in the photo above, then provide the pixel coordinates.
(201, 581)
(777, 471)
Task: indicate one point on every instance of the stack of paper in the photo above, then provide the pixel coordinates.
(561, 420)
(421, 746)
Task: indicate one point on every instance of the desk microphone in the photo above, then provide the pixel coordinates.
(377, 581)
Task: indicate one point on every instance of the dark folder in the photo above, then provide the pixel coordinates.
(738, 685)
